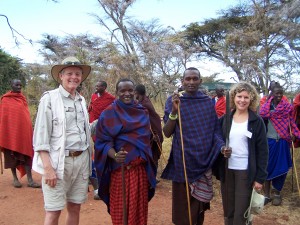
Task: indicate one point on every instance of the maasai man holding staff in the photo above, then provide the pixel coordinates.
(202, 140)
(123, 137)
(281, 131)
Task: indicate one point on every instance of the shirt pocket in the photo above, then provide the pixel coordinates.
(80, 120)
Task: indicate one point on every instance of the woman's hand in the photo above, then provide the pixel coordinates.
(257, 186)
(226, 151)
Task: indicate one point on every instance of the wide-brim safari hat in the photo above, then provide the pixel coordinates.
(67, 62)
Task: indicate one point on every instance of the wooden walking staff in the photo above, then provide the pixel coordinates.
(292, 156)
(125, 221)
(184, 167)
(227, 124)
(293, 160)
(159, 145)
(1, 163)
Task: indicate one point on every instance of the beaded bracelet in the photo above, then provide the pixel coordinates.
(173, 117)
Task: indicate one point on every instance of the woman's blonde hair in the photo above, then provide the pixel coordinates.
(250, 89)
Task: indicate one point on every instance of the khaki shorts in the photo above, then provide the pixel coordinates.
(73, 188)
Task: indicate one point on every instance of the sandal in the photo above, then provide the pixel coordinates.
(17, 184)
(33, 185)
(276, 200)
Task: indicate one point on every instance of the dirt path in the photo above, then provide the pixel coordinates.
(24, 206)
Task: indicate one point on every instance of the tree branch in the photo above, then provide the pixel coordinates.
(14, 32)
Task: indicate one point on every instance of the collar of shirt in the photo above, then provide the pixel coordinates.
(67, 94)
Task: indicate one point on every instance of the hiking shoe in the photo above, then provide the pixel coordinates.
(276, 200)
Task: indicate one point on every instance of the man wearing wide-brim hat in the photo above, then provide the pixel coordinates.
(61, 143)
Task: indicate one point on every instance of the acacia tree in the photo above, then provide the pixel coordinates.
(248, 39)
(152, 53)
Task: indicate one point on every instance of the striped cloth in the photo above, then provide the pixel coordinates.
(282, 118)
(136, 185)
(202, 189)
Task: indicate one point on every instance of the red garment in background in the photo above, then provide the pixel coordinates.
(297, 116)
(98, 104)
(220, 106)
(15, 125)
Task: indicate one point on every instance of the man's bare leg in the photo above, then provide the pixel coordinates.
(52, 217)
(16, 182)
(73, 213)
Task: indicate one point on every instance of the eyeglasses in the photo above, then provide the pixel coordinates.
(72, 63)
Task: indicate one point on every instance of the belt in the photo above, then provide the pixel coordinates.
(75, 153)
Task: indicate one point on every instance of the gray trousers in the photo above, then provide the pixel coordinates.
(238, 196)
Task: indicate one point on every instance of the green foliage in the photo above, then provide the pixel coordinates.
(10, 68)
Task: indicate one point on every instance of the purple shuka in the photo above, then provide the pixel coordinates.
(202, 138)
(127, 126)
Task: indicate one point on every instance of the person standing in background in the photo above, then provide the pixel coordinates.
(220, 101)
(16, 134)
(99, 101)
(155, 122)
(281, 131)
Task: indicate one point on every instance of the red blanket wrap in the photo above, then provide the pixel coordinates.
(15, 125)
(220, 106)
(98, 104)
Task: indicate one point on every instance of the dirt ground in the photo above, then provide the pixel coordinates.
(24, 206)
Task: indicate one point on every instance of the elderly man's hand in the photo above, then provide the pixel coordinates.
(226, 151)
(50, 176)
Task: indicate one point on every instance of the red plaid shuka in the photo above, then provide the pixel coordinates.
(136, 185)
(281, 118)
(297, 116)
